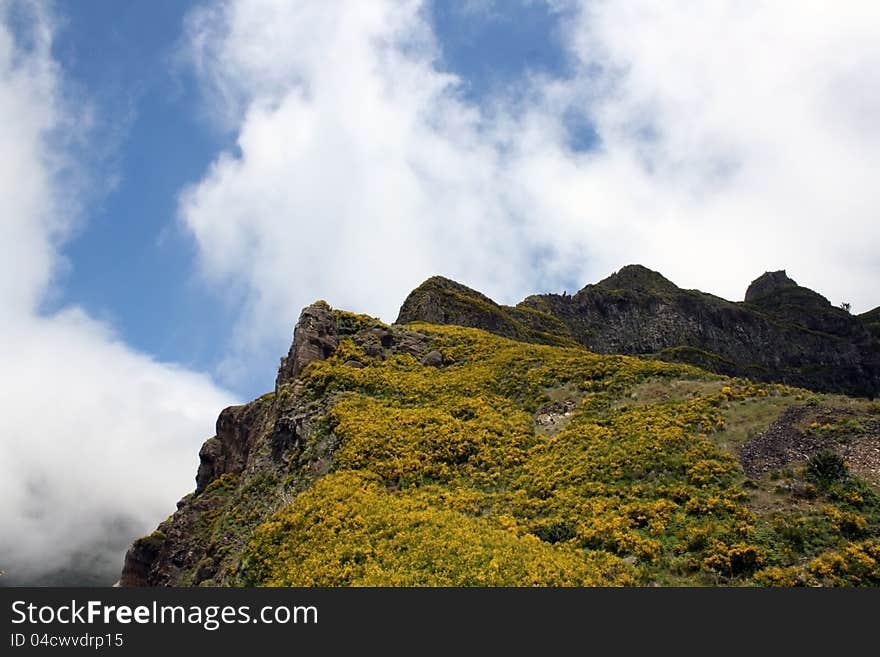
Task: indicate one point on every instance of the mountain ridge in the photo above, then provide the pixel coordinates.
(781, 332)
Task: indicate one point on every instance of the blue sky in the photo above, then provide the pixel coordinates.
(177, 180)
(130, 263)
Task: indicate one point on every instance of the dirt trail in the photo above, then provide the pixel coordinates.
(781, 445)
(784, 443)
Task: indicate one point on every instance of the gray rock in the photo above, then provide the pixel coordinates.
(382, 336)
(315, 337)
(432, 359)
(237, 429)
(768, 283)
(411, 343)
(373, 349)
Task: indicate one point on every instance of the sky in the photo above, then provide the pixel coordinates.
(177, 180)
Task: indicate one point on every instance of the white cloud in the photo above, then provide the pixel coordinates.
(747, 126)
(734, 138)
(97, 441)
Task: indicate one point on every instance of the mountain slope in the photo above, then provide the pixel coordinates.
(871, 319)
(443, 455)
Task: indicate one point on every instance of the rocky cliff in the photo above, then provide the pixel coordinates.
(781, 332)
(431, 453)
(871, 319)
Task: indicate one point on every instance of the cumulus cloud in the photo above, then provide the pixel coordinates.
(97, 441)
(731, 138)
(745, 130)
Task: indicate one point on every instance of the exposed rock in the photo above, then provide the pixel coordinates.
(286, 435)
(432, 359)
(411, 343)
(254, 442)
(871, 320)
(440, 300)
(314, 338)
(140, 558)
(768, 283)
(786, 442)
(212, 462)
(227, 452)
(356, 364)
(383, 336)
(555, 413)
(782, 444)
(373, 350)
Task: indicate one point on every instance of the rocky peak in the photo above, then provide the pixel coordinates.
(437, 300)
(442, 301)
(769, 283)
(315, 337)
(637, 277)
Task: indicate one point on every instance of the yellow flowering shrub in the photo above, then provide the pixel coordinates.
(856, 564)
(732, 559)
(348, 530)
(477, 437)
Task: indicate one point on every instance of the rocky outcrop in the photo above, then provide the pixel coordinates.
(314, 338)
(228, 451)
(442, 301)
(782, 332)
(140, 558)
(637, 278)
(769, 283)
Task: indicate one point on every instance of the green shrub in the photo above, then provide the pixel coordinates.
(826, 467)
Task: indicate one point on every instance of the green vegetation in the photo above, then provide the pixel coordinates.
(698, 358)
(349, 323)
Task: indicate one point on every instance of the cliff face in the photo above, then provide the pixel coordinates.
(871, 319)
(782, 332)
(263, 453)
(436, 454)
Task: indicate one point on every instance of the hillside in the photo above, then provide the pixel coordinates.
(432, 454)
(781, 333)
(872, 320)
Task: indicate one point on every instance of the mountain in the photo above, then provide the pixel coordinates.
(473, 444)
(781, 332)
